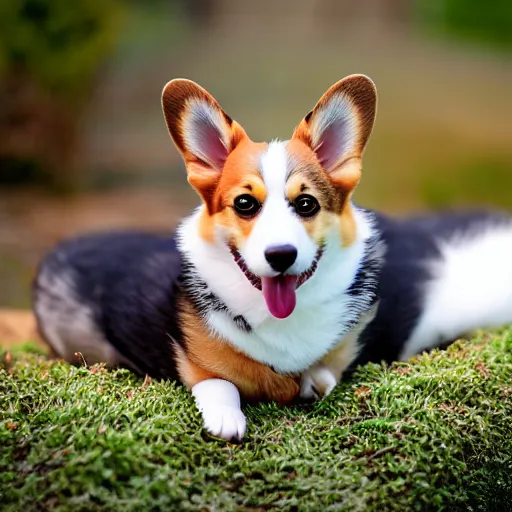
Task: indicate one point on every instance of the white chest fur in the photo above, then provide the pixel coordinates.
(323, 305)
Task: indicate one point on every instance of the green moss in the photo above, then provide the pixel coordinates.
(434, 434)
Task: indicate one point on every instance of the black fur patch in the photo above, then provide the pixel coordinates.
(128, 280)
(412, 248)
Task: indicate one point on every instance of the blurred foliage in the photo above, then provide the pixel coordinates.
(50, 52)
(57, 42)
(471, 20)
(486, 180)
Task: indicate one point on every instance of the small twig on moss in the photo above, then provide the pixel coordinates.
(7, 362)
(147, 381)
(380, 452)
(81, 358)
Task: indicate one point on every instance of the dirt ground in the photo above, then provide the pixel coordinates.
(17, 327)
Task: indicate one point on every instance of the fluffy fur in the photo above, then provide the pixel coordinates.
(213, 308)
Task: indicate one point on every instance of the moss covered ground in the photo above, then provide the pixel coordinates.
(432, 434)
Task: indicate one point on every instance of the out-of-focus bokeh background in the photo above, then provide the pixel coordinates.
(83, 144)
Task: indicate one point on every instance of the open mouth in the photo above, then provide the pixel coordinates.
(278, 291)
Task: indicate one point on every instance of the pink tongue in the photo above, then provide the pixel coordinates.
(279, 293)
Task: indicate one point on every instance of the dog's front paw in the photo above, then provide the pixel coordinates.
(219, 403)
(224, 421)
(317, 382)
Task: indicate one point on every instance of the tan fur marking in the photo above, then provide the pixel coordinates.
(207, 356)
(321, 225)
(189, 372)
(347, 175)
(300, 152)
(336, 209)
(306, 169)
(348, 226)
(296, 188)
(207, 228)
(339, 359)
(241, 170)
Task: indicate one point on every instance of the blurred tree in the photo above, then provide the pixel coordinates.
(473, 20)
(200, 12)
(50, 53)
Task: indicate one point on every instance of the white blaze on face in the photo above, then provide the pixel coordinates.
(277, 225)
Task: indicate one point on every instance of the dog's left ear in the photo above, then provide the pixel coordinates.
(338, 128)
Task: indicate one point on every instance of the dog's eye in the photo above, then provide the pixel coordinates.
(306, 205)
(246, 205)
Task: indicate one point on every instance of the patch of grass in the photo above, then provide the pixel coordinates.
(433, 434)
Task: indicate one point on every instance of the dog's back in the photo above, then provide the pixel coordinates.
(444, 275)
(110, 298)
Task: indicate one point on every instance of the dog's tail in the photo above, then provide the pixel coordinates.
(471, 285)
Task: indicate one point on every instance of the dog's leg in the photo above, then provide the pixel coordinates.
(217, 375)
(319, 380)
(218, 401)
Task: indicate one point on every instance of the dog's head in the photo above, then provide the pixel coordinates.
(274, 205)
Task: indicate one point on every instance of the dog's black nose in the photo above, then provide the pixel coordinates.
(281, 257)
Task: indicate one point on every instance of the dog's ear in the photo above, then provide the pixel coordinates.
(203, 133)
(338, 128)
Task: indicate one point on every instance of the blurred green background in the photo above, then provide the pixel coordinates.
(83, 144)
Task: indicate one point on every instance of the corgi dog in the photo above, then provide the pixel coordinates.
(278, 284)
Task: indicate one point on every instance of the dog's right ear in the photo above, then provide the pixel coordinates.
(203, 133)
(338, 129)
